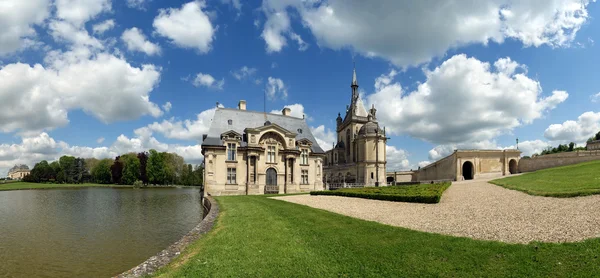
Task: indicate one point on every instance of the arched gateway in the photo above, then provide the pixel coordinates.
(468, 170)
(512, 166)
(271, 186)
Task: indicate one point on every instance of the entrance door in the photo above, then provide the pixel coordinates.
(512, 166)
(271, 186)
(467, 170)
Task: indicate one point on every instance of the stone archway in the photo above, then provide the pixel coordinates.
(271, 186)
(512, 166)
(468, 170)
(390, 180)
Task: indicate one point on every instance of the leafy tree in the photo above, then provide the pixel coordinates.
(67, 165)
(55, 170)
(143, 158)
(156, 167)
(116, 170)
(101, 173)
(571, 146)
(597, 137)
(131, 168)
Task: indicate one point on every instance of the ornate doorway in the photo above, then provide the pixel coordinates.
(271, 187)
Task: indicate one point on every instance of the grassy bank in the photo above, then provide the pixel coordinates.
(418, 193)
(259, 237)
(30, 185)
(566, 181)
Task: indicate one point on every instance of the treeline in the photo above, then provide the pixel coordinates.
(560, 149)
(158, 168)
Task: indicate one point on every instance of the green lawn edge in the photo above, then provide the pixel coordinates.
(420, 197)
(256, 236)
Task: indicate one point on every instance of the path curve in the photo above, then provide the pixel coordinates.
(478, 210)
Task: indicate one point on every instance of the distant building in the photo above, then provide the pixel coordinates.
(359, 155)
(249, 152)
(18, 172)
(592, 145)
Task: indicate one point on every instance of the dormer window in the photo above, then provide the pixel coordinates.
(229, 122)
(300, 131)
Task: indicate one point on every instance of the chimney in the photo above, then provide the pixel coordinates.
(242, 105)
(286, 111)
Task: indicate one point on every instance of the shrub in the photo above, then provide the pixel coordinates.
(137, 184)
(421, 193)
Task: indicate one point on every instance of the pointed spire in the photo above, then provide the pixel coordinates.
(354, 81)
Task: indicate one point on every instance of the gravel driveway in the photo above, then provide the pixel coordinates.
(478, 210)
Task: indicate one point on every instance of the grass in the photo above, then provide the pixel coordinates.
(567, 181)
(419, 193)
(30, 185)
(256, 236)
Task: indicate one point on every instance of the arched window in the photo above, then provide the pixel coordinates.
(348, 143)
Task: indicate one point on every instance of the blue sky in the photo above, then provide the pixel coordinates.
(96, 78)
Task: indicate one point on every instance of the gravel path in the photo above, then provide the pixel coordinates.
(478, 210)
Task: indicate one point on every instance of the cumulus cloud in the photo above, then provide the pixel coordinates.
(296, 110)
(79, 12)
(207, 80)
(462, 100)
(595, 97)
(137, 4)
(325, 137)
(441, 151)
(100, 140)
(587, 125)
(236, 4)
(63, 31)
(413, 32)
(302, 45)
(187, 27)
(183, 130)
(275, 88)
(103, 26)
(136, 41)
(397, 159)
(167, 106)
(243, 73)
(18, 19)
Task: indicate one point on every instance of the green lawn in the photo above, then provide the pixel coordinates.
(418, 193)
(566, 181)
(259, 237)
(29, 185)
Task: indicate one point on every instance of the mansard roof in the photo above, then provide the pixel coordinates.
(226, 119)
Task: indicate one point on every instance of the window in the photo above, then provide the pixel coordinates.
(304, 157)
(372, 175)
(304, 176)
(231, 152)
(231, 176)
(271, 154)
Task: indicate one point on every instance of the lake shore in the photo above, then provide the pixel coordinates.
(9, 186)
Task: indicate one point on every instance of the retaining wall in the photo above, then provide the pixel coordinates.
(556, 160)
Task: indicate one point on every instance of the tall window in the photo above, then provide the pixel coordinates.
(304, 176)
(270, 154)
(231, 152)
(304, 157)
(231, 176)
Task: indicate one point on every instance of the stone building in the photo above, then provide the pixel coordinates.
(18, 172)
(247, 152)
(592, 145)
(359, 155)
(471, 164)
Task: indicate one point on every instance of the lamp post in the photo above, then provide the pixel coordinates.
(517, 143)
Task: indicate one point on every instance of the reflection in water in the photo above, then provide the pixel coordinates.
(92, 232)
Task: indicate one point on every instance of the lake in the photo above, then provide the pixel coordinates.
(90, 232)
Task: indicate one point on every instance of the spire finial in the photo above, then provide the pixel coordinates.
(354, 81)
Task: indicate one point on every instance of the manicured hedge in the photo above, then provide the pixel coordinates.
(421, 193)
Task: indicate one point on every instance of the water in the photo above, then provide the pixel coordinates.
(92, 232)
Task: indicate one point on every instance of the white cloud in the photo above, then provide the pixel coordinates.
(17, 18)
(182, 130)
(137, 4)
(528, 148)
(100, 140)
(441, 151)
(243, 73)
(63, 31)
(587, 125)
(38, 98)
(423, 163)
(462, 100)
(275, 88)
(296, 110)
(595, 97)
(413, 32)
(136, 41)
(236, 4)
(302, 45)
(207, 80)
(397, 159)
(187, 27)
(79, 12)
(167, 106)
(325, 137)
(103, 26)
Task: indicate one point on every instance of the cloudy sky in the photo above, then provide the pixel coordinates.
(97, 78)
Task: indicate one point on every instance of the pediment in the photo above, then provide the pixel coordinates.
(304, 142)
(271, 127)
(231, 134)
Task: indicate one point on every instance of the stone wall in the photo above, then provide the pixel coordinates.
(556, 160)
(442, 169)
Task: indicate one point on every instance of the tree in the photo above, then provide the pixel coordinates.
(55, 170)
(41, 172)
(571, 146)
(67, 165)
(155, 168)
(597, 137)
(116, 170)
(143, 158)
(101, 173)
(131, 168)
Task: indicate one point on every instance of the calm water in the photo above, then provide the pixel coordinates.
(93, 232)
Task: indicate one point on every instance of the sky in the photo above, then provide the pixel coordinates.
(99, 78)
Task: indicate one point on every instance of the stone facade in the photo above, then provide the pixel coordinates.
(471, 164)
(18, 172)
(592, 145)
(249, 152)
(555, 160)
(360, 153)
(398, 177)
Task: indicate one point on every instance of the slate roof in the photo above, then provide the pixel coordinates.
(242, 119)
